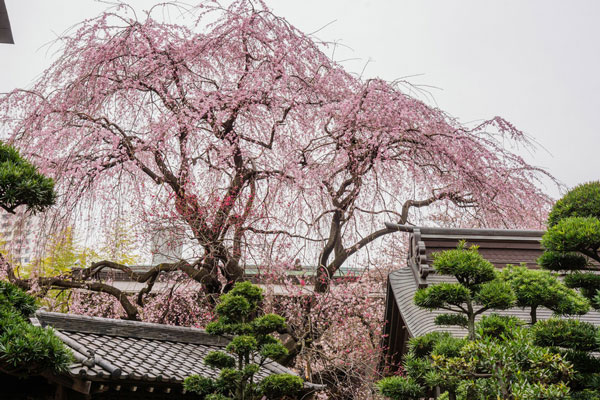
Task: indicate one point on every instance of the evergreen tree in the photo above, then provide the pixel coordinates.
(477, 288)
(539, 288)
(572, 241)
(22, 184)
(26, 349)
(572, 244)
(251, 347)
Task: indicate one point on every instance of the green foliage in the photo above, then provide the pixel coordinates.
(24, 348)
(478, 288)
(581, 201)
(515, 368)
(279, 385)
(250, 292)
(573, 234)
(573, 237)
(586, 395)
(466, 265)
(562, 261)
(448, 347)
(232, 308)
(497, 326)
(400, 388)
(242, 345)
(22, 184)
(495, 295)
(539, 288)
(20, 301)
(587, 282)
(199, 385)
(442, 294)
(451, 319)
(250, 348)
(268, 323)
(218, 359)
(503, 362)
(274, 351)
(422, 346)
(217, 396)
(567, 333)
(418, 368)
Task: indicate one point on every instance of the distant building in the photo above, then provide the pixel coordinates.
(166, 246)
(18, 235)
(5, 31)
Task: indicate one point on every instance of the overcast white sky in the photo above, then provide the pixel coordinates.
(536, 63)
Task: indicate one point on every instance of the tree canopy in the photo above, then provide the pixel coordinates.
(477, 290)
(26, 349)
(572, 241)
(251, 347)
(240, 130)
(539, 288)
(22, 184)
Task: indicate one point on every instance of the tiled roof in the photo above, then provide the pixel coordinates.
(117, 350)
(499, 246)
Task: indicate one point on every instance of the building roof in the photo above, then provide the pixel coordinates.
(111, 352)
(420, 321)
(5, 31)
(500, 246)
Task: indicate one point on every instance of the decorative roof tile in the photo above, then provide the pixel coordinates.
(119, 350)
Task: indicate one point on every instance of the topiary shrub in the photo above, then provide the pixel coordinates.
(400, 388)
(581, 201)
(281, 385)
(251, 347)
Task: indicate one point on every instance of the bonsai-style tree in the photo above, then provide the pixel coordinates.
(572, 241)
(250, 349)
(22, 184)
(26, 349)
(477, 288)
(539, 288)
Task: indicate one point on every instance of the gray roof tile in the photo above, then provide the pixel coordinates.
(142, 351)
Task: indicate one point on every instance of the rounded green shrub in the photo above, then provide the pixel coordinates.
(218, 359)
(400, 388)
(581, 201)
(274, 351)
(268, 323)
(497, 326)
(280, 385)
(199, 385)
(566, 333)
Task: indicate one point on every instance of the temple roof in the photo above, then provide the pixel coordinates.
(116, 352)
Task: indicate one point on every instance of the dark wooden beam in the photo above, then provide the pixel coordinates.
(5, 31)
